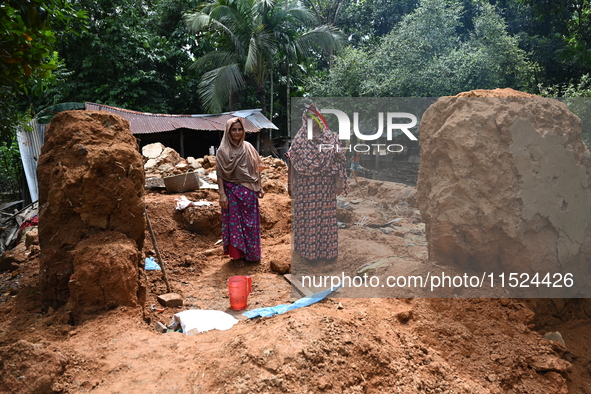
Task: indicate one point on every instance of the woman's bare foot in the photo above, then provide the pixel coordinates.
(238, 262)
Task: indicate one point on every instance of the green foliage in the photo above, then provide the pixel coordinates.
(250, 34)
(352, 66)
(28, 35)
(582, 88)
(558, 36)
(135, 54)
(365, 21)
(577, 97)
(27, 40)
(10, 171)
(431, 53)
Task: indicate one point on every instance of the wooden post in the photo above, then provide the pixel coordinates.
(157, 251)
(182, 143)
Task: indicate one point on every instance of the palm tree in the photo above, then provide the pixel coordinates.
(252, 33)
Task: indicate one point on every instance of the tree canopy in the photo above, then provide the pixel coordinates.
(27, 42)
(142, 55)
(134, 54)
(424, 55)
(252, 34)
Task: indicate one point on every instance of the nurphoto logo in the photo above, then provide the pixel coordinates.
(345, 130)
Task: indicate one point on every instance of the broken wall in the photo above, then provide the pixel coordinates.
(504, 184)
(91, 217)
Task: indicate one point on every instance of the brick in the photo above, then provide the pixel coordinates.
(170, 300)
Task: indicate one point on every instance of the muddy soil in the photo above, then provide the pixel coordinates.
(338, 345)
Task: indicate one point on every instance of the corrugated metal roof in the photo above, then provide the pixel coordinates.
(29, 143)
(145, 123)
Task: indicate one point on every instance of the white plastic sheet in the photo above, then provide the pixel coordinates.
(195, 321)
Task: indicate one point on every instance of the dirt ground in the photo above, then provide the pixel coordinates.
(338, 345)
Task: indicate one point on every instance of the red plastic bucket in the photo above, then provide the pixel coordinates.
(239, 288)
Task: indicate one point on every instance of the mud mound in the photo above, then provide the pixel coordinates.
(274, 176)
(385, 192)
(490, 341)
(275, 215)
(105, 273)
(507, 92)
(91, 180)
(503, 183)
(389, 346)
(30, 367)
(203, 219)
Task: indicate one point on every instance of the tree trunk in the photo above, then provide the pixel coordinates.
(262, 98)
(271, 98)
(288, 102)
(232, 101)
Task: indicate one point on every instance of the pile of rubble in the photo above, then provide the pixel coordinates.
(161, 162)
(13, 225)
(18, 231)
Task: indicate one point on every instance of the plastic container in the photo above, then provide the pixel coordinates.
(239, 288)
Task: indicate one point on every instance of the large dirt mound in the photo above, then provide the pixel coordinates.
(336, 345)
(504, 183)
(91, 183)
(105, 273)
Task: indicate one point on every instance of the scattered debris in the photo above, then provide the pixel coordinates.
(11, 224)
(151, 265)
(181, 183)
(154, 309)
(183, 203)
(374, 265)
(160, 327)
(297, 285)
(555, 336)
(392, 221)
(344, 204)
(363, 221)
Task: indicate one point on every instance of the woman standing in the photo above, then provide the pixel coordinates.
(316, 177)
(238, 168)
